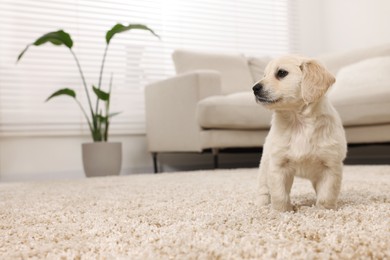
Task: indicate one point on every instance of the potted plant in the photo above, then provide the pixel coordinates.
(99, 157)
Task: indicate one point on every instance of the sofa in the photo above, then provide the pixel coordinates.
(209, 104)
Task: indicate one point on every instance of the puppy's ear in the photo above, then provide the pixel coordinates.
(315, 81)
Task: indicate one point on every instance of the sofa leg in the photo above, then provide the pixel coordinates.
(155, 165)
(215, 152)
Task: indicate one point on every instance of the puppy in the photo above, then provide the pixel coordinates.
(306, 138)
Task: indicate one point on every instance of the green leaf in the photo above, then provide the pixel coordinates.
(22, 53)
(118, 28)
(101, 94)
(102, 119)
(65, 91)
(57, 38)
(114, 114)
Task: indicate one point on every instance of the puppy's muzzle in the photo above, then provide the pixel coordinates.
(262, 95)
(257, 89)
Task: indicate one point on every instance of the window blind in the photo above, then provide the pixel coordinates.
(135, 58)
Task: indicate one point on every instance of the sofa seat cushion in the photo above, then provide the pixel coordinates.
(234, 111)
(234, 69)
(361, 93)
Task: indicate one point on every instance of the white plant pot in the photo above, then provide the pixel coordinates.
(102, 158)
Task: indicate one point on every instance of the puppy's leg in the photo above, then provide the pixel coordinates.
(264, 197)
(280, 181)
(328, 186)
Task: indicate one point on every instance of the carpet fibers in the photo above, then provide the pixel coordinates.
(192, 215)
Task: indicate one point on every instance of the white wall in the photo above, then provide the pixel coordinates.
(340, 25)
(310, 36)
(38, 158)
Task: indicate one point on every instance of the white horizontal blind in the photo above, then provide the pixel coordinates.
(135, 58)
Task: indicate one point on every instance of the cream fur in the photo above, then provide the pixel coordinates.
(306, 138)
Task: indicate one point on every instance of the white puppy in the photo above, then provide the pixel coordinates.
(306, 138)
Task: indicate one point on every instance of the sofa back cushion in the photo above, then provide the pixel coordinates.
(257, 66)
(335, 61)
(361, 93)
(234, 69)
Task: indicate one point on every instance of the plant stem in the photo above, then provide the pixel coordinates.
(108, 110)
(85, 87)
(86, 116)
(101, 76)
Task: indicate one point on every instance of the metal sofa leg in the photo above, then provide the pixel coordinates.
(215, 152)
(155, 163)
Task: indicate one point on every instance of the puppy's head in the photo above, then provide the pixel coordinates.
(292, 81)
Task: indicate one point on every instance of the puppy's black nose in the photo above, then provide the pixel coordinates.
(257, 88)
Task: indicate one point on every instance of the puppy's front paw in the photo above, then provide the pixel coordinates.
(282, 207)
(326, 205)
(264, 200)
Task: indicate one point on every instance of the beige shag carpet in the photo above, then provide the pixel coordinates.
(192, 215)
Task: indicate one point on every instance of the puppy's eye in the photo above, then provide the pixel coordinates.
(281, 74)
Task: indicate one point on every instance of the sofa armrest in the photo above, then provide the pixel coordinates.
(170, 104)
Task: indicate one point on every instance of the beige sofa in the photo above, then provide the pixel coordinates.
(209, 104)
